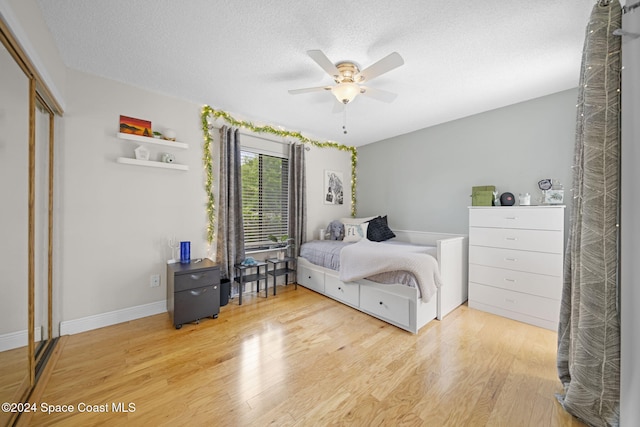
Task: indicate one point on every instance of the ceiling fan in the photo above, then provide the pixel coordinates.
(348, 77)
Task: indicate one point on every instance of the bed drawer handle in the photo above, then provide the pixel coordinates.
(511, 238)
(510, 280)
(381, 303)
(510, 217)
(339, 288)
(511, 259)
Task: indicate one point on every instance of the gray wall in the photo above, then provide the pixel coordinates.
(423, 179)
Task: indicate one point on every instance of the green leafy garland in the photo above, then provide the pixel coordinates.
(207, 112)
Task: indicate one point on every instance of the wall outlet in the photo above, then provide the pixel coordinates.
(154, 280)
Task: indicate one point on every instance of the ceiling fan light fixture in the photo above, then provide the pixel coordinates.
(345, 92)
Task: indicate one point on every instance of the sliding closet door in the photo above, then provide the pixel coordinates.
(42, 227)
(14, 230)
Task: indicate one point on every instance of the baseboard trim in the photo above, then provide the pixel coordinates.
(18, 339)
(70, 327)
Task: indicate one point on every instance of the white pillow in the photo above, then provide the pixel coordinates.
(355, 232)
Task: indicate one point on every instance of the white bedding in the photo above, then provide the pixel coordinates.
(366, 258)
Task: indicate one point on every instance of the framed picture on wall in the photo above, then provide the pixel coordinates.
(333, 188)
(135, 126)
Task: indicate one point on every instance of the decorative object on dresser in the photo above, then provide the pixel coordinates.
(516, 262)
(507, 199)
(193, 291)
(482, 195)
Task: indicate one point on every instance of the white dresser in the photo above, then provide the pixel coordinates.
(516, 262)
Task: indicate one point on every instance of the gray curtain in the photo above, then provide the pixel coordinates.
(297, 197)
(230, 231)
(589, 329)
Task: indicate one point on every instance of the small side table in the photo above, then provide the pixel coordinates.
(243, 276)
(288, 268)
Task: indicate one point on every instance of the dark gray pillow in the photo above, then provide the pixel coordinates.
(378, 230)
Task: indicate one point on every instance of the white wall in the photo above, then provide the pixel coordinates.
(423, 179)
(319, 214)
(116, 218)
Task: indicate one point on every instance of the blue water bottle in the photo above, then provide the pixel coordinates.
(185, 252)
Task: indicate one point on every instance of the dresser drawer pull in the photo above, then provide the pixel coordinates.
(198, 292)
(511, 238)
(511, 259)
(510, 280)
(196, 276)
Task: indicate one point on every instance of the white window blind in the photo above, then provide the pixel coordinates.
(264, 197)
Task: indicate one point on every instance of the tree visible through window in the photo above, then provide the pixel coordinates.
(264, 197)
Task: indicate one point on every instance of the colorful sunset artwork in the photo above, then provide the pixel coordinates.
(135, 126)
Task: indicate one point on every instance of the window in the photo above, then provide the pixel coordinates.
(264, 197)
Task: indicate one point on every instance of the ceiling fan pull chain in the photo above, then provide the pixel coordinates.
(344, 121)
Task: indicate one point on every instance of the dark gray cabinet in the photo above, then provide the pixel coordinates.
(193, 291)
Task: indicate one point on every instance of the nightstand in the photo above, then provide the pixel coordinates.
(193, 291)
(288, 268)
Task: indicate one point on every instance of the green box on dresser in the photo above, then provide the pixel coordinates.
(193, 291)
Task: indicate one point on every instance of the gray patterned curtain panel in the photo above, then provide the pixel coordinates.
(297, 197)
(589, 329)
(230, 231)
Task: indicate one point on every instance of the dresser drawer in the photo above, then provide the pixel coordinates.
(517, 302)
(196, 279)
(514, 238)
(348, 293)
(392, 307)
(312, 279)
(530, 283)
(538, 218)
(194, 304)
(532, 262)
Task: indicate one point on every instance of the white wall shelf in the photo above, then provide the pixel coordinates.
(155, 141)
(136, 162)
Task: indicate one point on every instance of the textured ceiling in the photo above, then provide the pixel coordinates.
(461, 57)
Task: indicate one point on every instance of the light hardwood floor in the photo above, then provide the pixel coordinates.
(301, 359)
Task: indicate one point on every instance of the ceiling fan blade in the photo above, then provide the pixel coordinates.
(386, 64)
(324, 62)
(378, 94)
(309, 89)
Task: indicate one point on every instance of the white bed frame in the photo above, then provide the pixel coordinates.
(399, 305)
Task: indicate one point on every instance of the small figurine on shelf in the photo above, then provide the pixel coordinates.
(141, 153)
(157, 134)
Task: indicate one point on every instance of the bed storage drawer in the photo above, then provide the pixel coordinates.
(349, 293)
(394, 308)
(310, 278)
